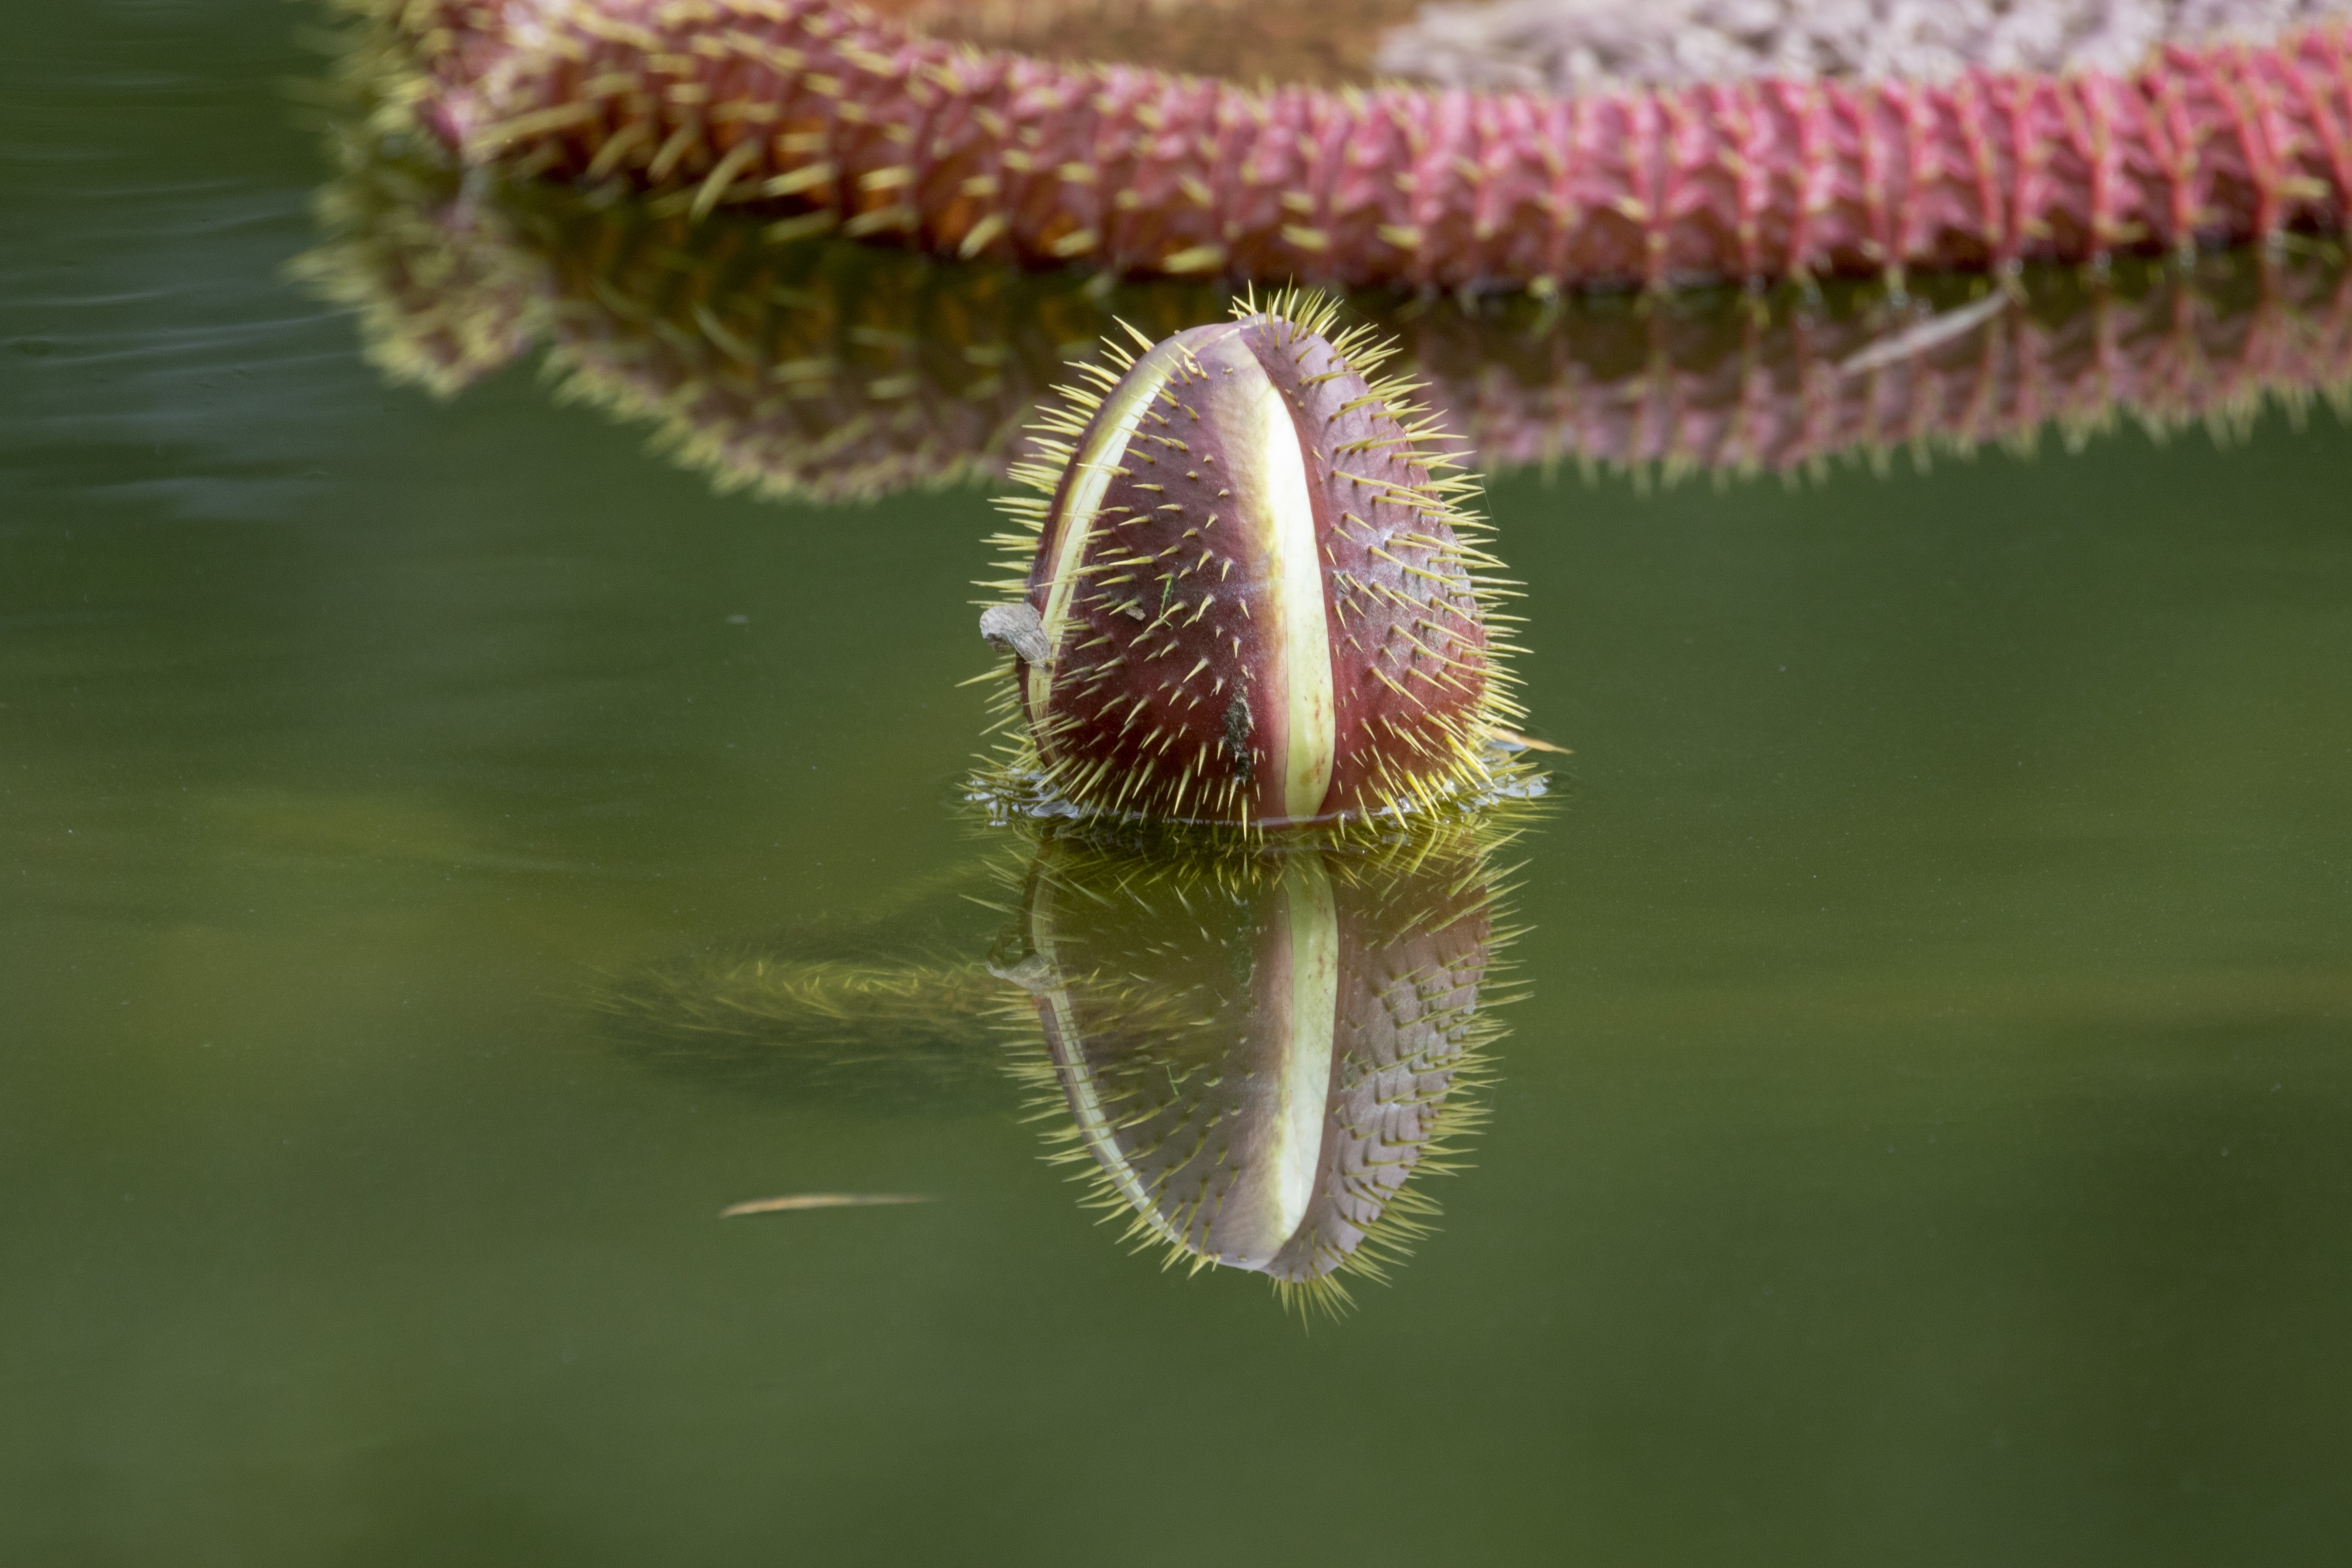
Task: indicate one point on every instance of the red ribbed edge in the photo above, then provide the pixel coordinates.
(857, 125)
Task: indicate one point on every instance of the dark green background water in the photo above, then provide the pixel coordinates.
(1926, 1140)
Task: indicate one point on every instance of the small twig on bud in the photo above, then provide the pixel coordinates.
(1017, 629)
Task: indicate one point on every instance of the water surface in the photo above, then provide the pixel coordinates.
(1924, 1137)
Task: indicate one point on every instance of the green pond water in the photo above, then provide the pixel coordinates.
(1927, 1136)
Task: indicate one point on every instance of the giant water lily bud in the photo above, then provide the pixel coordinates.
(1248, 595)
(1257, 1052)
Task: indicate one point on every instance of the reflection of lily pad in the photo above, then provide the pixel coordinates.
(824, 369)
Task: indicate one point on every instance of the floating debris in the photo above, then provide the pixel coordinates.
(795, 1202)
(1917, 340)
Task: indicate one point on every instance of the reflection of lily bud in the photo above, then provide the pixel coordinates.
(1259, 1052)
